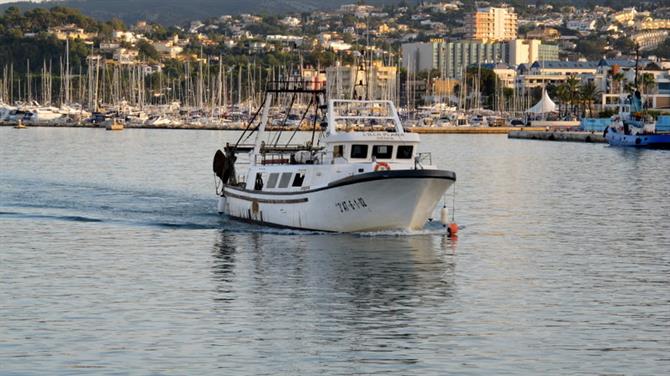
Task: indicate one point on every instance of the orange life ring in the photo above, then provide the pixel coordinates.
(382, 166)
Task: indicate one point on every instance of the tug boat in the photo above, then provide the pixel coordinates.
(340, 181)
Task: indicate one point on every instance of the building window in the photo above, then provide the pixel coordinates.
(382, 151)
(404, 152)
(359, 151)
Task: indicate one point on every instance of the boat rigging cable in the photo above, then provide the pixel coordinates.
(304, 115)
(253, 118)
(283, 124)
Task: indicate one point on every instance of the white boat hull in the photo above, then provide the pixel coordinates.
(385, 200)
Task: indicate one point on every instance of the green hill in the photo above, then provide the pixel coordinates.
(179, 11)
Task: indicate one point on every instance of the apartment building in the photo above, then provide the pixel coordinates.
(377, 82)
(492, 24)
(451, 59)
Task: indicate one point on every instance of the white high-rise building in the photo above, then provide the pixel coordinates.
(492, 24)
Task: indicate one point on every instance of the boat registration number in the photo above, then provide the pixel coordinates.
(351, 205)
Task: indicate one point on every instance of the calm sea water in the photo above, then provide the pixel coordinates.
(113, 261)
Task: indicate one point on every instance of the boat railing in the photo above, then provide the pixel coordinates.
(421, 159)
(300, 157)
(296, 85)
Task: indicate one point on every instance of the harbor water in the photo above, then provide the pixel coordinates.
(113, 261)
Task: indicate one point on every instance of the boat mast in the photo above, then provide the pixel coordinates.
(637, 61)
(264, 119)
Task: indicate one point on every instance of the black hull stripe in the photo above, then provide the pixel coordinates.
(275, 225)
(367, 177)
(267, 201)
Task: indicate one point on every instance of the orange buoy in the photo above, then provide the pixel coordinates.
(452, 230)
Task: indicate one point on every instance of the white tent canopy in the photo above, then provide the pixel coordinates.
(545, 105)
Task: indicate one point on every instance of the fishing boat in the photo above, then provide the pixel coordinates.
(633, 127)
(337, 181)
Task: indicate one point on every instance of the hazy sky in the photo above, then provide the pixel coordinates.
(13, 1)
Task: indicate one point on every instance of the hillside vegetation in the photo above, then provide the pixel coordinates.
(178, 11)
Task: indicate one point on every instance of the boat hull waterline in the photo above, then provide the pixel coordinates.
(378, 201)
(649, 141)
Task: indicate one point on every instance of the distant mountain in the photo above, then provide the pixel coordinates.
(179, 11)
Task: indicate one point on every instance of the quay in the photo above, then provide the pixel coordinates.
(529, 133)
(470, 130)
(242, 126)
(565, 136)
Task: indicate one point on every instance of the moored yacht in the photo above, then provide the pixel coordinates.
(340, 181)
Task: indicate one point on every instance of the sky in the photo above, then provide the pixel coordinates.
(13, 1)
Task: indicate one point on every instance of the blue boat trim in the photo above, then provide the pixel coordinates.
(647, 141)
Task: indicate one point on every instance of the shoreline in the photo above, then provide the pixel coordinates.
(419, 130)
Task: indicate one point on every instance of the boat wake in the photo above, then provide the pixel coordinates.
(39, 200)
(210, 222)
(72, 218)
(32, 216)
(431, 228)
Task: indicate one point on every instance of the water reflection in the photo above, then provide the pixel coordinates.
(224, 257)
(365, 267)
(368, 295)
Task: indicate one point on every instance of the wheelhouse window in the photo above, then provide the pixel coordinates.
(272, 180)
(298, 179)
(285, 179)
(258, 184)
(338, 151)
(359, 151)
(382, 151)
(404, 152)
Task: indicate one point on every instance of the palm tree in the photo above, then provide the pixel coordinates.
(617, 78)
(564, 96)
(573, 88)
(647, 82)
(588, 93)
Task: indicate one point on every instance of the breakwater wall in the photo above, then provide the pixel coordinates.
(589, 137)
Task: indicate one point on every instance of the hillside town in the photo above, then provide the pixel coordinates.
(491, 60)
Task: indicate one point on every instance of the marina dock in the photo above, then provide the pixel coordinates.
(545, 135)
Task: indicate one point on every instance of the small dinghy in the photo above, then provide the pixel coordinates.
(113, 125)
